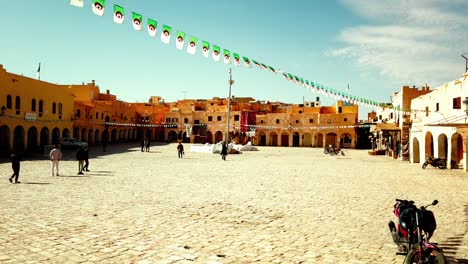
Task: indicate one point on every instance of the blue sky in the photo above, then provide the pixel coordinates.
(374, 46)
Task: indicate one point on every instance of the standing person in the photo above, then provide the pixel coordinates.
(86, 159)
(55, 156)
(180, 150)
(143, 143)
(80, 156)
(224, 151)
(15, 164)
(147, 145)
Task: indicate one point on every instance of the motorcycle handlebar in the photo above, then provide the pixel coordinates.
(404, 201)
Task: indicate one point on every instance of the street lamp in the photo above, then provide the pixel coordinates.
(466, 61)
(231, 81)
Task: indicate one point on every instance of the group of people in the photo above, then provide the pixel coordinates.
(145, 145)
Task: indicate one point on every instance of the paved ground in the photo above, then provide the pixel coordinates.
(276, 205)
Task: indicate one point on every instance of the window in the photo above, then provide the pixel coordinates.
(17, 105)
(219, 118)
(391, 115)
(60, 110)
(33, 105)
(78, 113)
(300, 112)
(97, 115)
(8, 102)
(311, 120)
(297, 121)
(102, 116)
(168, 119)
(437, 107)
(54, 108)
(345, 119)
(210, 118)
(186, 120)
(427, 110)
(457, 103)
(41, 107)
(236, 117)
(277, 121)
(261, 121)
(340, 110)
(196, 121)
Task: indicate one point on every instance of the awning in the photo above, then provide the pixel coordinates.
(384, 127)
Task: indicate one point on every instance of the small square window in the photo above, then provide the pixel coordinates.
(311, 120)
(236, 117)
(277, 121)
(345, 119)
(219, 118)
(210, 118)
(297, 121)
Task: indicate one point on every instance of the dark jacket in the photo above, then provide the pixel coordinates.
(224, 150)
(15, 161)
(180, 148)
(80, 154)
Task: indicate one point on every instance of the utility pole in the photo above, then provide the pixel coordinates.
(231, 81)
(466, 61)
(185, 93)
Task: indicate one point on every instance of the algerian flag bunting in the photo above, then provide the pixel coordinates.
(152, 27)
(271, 69)
(78, 3)
(137, 18)
(192, 46)
(206, 49)
(227, 56)
(257, 63)
(216, 53)
(119, 14)
(236, 59)
(166, 34)
(247, 62)
(98, 7)
(180, 40)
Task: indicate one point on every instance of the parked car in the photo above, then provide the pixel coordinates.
(72, 143)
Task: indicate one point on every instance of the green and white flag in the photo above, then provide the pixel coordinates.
(271, 69)
(192, 46)
(152, 27)
(206, 49)
(236, 59)
(247, 62)
(119, 14)
(257, 63)
(98, 7)
(216, 53)
(180, 40)
(166, 34)
(137, 19)
(78, 3)
(227, 56)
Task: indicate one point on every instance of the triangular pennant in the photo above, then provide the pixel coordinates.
(206, 49)
(236, 59)
(257, 63)
(119, 14)
(78, 3)
(247, 62)
(152, 27)
(136, 21)
(216, 53)
(192, 46)
(227, 56)
(166, 34)
(180, 40)
(98, 7)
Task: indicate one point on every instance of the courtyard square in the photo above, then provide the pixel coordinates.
(275, 205)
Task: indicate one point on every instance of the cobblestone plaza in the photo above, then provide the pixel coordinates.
(276, 205)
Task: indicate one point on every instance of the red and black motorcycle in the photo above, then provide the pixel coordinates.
(415, 227)
(435, 162)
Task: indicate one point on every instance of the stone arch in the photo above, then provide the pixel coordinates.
(18, 139)
(307, 140)
(429, 145)
(296, 140)
(273, 139)
(113, 135)
(172, 136)
(90, 136)
(55, 136)
(346, 140)
(320, 140)
(4, 141)
(218, 136)
(32, 139)
(331, 139)
(97, 136)
(84, 137)
(285, 139)
(262, 137)
(76, 133)
(416, 152)
(209, 137)
(457, 148)
(44, 137)
(442, 150)
(65, 133)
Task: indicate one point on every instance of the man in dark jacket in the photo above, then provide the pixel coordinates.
(80, 156)
(86, 159)
(15, 164)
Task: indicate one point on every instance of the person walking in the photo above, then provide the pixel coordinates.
(15, 164)
(180, 150)
(55, 156)
(80, 156)
(143, 143)
(224, 151)
(86, 159)
(147, 145)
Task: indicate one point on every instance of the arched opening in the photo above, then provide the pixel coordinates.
(44, 137)
(172, 136)
(345, 140)
(66, 133)
(76, 132)
(262, 137)
(429, 145)
(209, 137)
(113, 136)
(284, 139)
(320, 140)
(120, 135)
(296, 139)
(32, 139)
(331, 139)
(273, 139)
(416, 154)
(307, 140)
(218, 136)
(18, 140)
(4, 141)
(443, 146)
(55, 136)
(90, 137)
(105, 136)
(84, 137)
(457, 149)
(97, 137)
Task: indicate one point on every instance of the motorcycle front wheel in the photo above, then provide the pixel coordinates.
(428, 257)
(325, 151)
(442, 164)
(424, 165)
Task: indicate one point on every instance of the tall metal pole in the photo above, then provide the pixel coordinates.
(466, 61)
(229, 107)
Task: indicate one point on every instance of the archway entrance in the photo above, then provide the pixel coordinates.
(320, 140)
(18, 140)
(307, 141)
(296, 139)
(218, 136)
(172, 136)
(44, 137)
(55, 136)
(4, 141)
(262, 139)
(428, 145)
(443, 146)
(273, 139)
(32, 139)
(416, 153)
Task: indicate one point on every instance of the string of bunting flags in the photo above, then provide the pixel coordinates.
(98, 7)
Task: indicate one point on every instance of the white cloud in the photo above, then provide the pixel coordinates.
(409, 41)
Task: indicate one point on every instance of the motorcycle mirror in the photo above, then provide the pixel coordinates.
(435, 202)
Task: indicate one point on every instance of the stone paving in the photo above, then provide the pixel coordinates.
(276, 205)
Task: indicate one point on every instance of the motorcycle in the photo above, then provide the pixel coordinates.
(333, 151)
(435, 162)
(415, 227)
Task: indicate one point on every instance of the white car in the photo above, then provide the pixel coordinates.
(72, 143)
